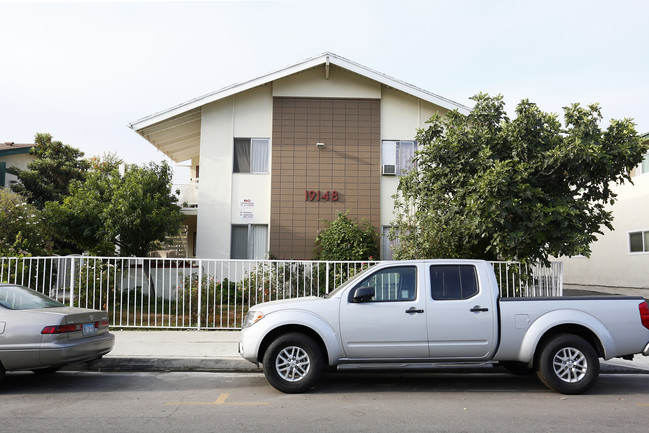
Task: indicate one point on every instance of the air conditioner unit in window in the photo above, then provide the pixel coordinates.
(389, 169)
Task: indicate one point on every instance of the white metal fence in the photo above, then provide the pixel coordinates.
(211, 294)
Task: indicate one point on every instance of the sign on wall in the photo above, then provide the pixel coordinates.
(246, 209)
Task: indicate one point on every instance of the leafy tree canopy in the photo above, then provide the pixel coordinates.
(345, 239)
(487, 186)
(132, 211)
(48, 176)
(22, 229)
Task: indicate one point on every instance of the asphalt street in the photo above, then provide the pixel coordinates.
(348, 402)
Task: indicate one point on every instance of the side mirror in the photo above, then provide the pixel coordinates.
(363, 294)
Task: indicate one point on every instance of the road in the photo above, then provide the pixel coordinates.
(344, 402)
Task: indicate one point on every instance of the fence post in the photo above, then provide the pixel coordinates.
(200, 298)
(72, 281)
(327, 277)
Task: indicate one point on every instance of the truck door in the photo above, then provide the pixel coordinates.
(461, 316)
(392, 323)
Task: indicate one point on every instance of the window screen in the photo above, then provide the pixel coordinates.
(639, 242)
(453, 281)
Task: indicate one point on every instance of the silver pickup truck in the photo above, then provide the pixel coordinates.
(441, 312)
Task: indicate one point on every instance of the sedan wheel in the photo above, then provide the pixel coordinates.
(568, 364)
(293, 363)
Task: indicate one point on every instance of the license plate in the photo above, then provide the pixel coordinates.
(88, 329)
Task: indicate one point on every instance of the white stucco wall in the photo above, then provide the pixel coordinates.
(611, 263)
(20, 160)
(340, 84)
(401, 116)
(247, 114)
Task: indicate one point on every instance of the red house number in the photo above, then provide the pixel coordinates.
(312, 195)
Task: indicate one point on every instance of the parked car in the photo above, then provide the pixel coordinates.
(441, 312)
(40, 334)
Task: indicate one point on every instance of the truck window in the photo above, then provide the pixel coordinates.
(453, 281)
(392, 284)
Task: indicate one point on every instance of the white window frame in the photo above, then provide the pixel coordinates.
(645, 241)
(397, 158)
(257, 145)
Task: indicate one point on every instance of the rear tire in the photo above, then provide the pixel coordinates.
(293, 363)
(2, 373)
(568, 364)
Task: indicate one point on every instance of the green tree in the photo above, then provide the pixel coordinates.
(487, 186)
(48, 176)
(345, 239)
(22, 229)
(109, 210)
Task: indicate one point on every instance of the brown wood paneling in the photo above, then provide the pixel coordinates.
(349, 164)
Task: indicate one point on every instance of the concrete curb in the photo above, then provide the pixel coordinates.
(173, 364)
(230, 365)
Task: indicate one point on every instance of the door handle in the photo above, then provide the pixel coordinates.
(478, 309)
(414, 310)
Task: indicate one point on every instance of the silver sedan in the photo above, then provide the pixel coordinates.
(40, 334)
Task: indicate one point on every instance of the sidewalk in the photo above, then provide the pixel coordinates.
(175, 351)
(217, 351)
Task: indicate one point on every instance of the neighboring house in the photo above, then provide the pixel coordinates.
(13, 154)
(279, 153)
(620, 257)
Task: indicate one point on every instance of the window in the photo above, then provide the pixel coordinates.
(249, 242)
(397, 156)
(251, 155)
(453, 282)
(392, 284)
(639, 242)
(644, 165)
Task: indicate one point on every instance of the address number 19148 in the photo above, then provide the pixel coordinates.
(312, 195)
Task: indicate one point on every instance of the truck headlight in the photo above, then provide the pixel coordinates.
(251, 318)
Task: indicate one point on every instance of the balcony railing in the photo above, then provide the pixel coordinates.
(188, 194)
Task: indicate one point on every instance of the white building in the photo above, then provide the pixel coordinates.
(278, 153)
(13, 155)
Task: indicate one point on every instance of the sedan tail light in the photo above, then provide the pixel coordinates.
(644, 314)
(61, 329)
(101, 324)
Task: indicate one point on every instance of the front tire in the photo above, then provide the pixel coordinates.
(568, 364)
(293, 363)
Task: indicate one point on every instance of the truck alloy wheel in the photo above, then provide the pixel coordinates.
(293, 363)
(568, 364)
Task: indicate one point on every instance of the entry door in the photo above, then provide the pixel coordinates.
(461, 317)
(391, 325)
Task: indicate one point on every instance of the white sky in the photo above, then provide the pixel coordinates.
(82, 70)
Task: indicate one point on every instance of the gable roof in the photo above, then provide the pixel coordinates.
(323, 59)
(184, 118)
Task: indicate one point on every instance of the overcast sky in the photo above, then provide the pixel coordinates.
(82, 70)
